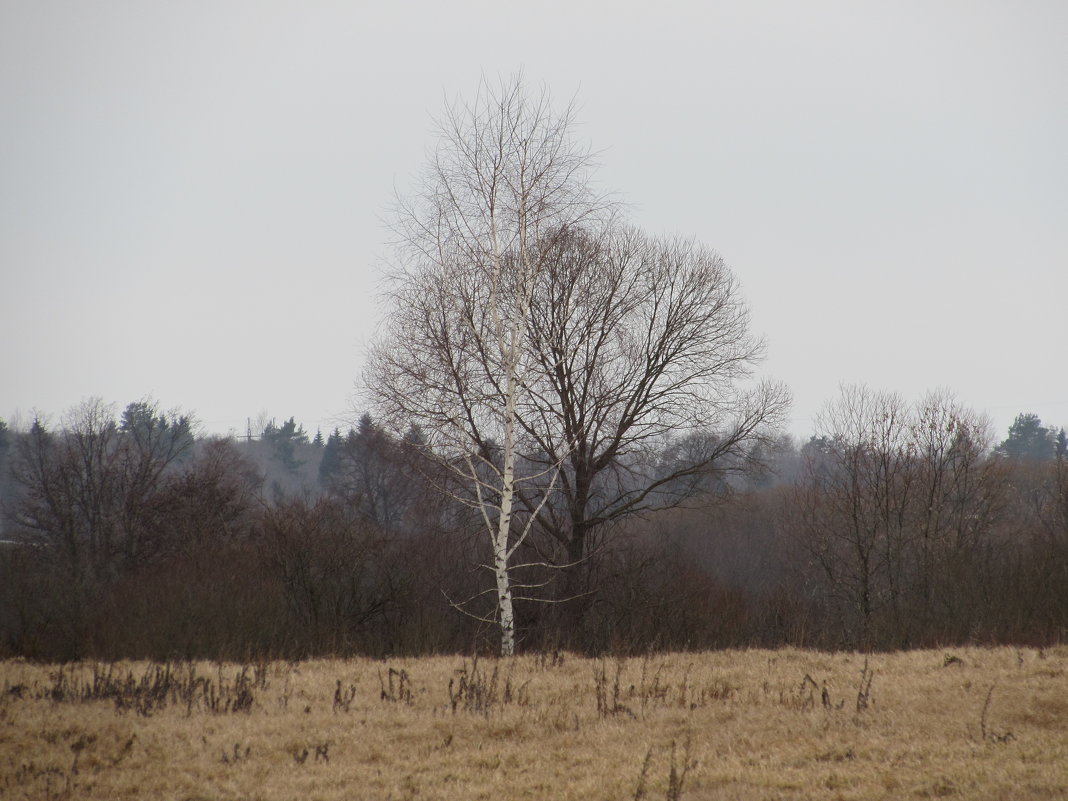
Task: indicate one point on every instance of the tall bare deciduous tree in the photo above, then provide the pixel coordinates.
(553, 355)
(644, 358)
(507, 179)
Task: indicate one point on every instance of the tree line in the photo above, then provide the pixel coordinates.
(895, 525)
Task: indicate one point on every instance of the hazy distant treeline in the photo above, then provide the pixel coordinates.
(894, 525)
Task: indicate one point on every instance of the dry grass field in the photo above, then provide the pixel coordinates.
(789, 724)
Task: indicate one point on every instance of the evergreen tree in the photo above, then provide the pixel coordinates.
(156, 431)
(283, 441)
(1028, 439)
(331, 460)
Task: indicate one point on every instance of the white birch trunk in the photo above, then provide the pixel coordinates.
(504, 520)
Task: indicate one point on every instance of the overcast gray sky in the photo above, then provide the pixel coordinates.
(191, 193)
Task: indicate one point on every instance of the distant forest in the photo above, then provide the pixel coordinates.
(895, 525)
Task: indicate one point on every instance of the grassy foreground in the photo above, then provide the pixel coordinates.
(788, 724)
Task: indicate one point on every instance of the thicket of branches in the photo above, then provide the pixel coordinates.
(896, 525)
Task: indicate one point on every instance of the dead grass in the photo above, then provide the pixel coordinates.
(970, 723)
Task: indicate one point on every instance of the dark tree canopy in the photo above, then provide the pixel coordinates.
(331, 458)
(1028, 439)
(284, 440)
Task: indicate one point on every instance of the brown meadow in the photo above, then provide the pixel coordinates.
(787, 724)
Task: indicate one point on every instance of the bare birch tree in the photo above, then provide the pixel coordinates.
(553, 355)
(507, 179)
